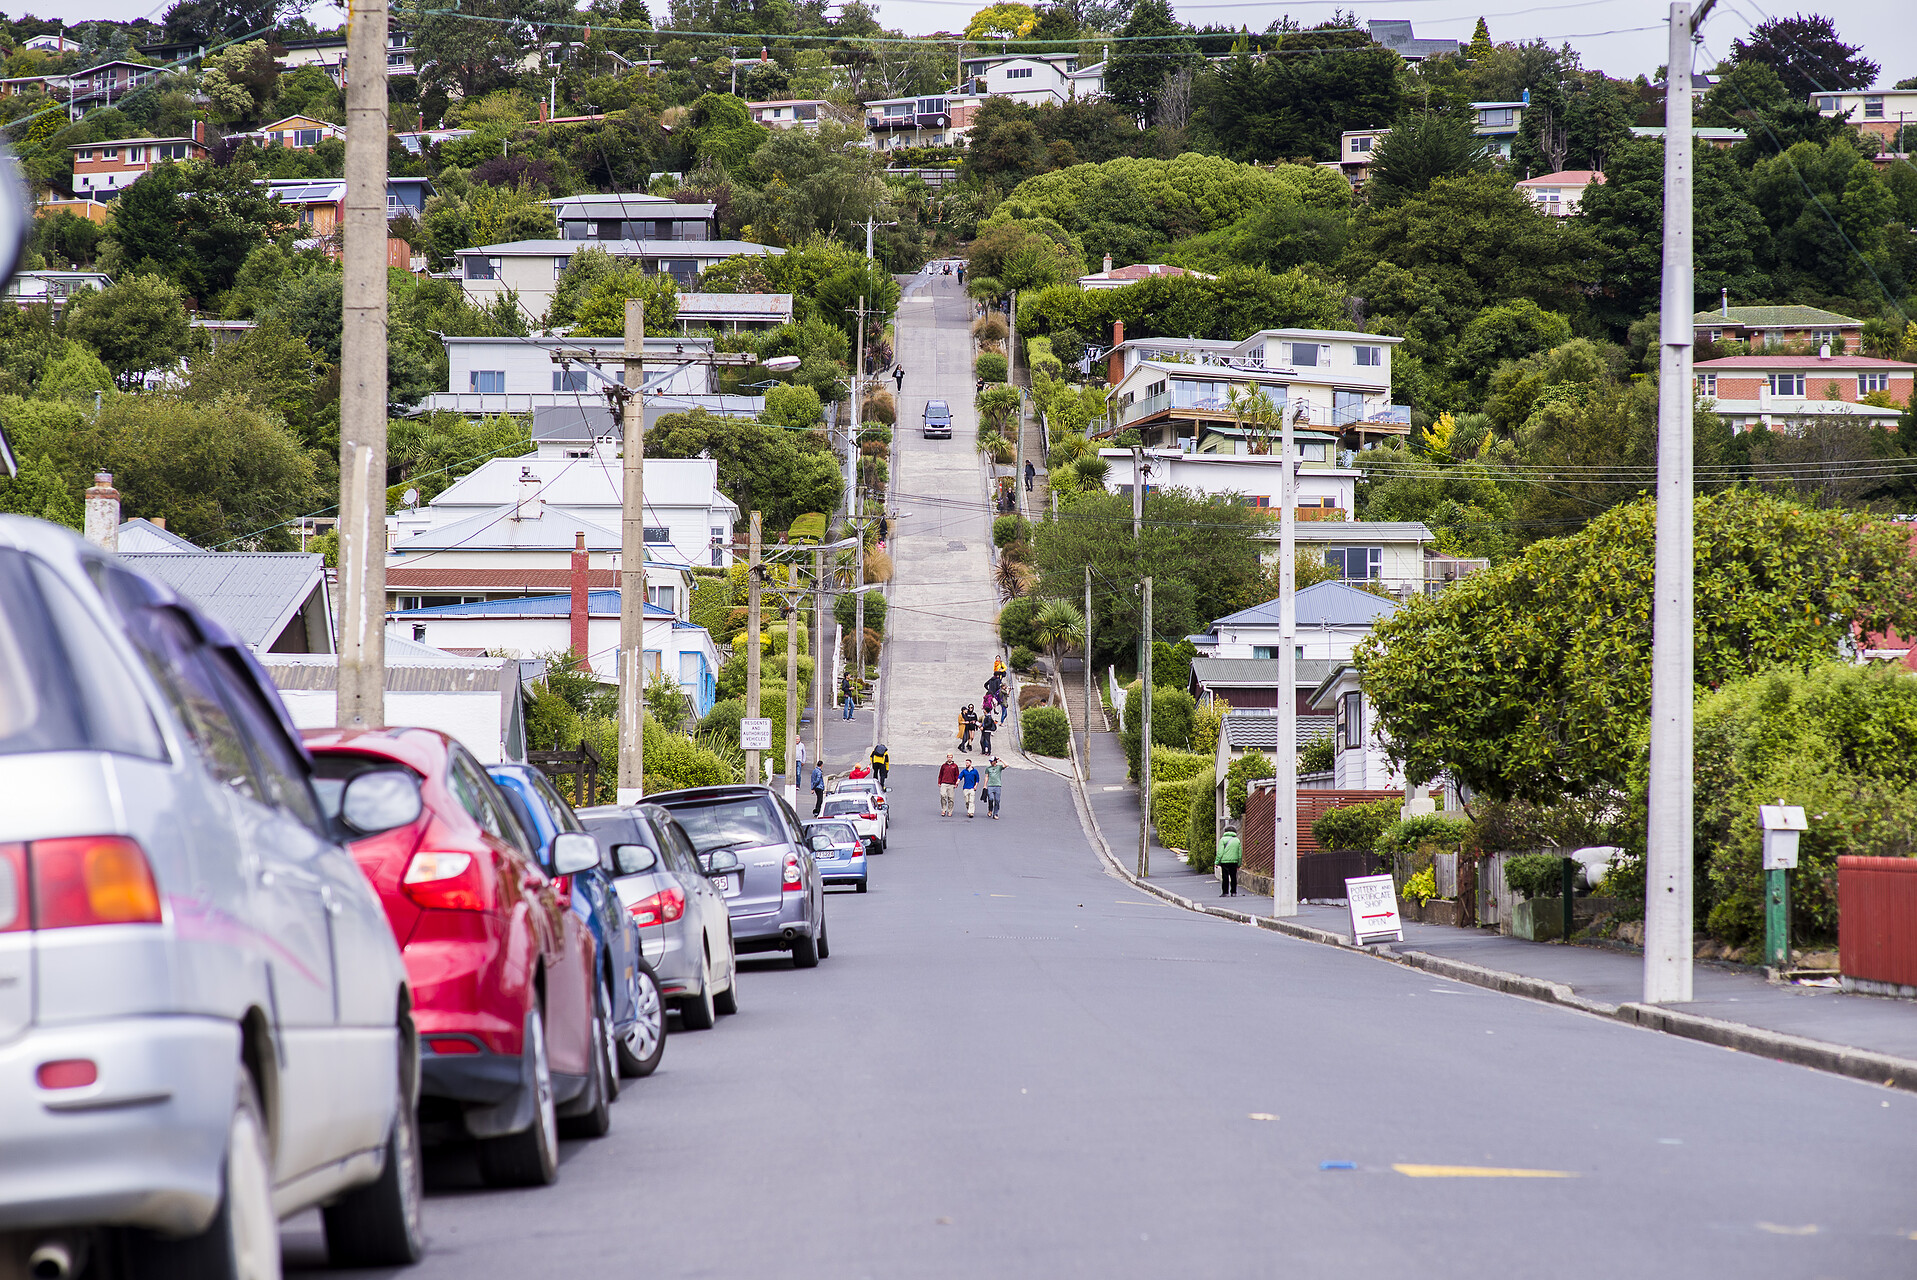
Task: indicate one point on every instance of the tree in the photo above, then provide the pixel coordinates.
(240, 81)
(764, 467)
(602, 311)
(1135, 74)
(1059, 627)
(1419, 150)
(275, 370)
(194, 223)
(138, 326)
(40, 491)
(1007, 20)
(1284, 107)
(1507, 331)
(723, 131)
(811, 184)
(1829, 214)
(1807, 55)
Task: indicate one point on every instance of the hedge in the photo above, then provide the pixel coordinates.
(1171, 765)
(1010, 529)
(990, 367)
(1201, 825)
(1047, 731)
(1171, 812)
(1172, 710)
(674, 761)
(1242, 771)
(845, 611)
(1355, 826)
(1015, 623)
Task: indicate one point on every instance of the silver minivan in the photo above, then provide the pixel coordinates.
(203, 1014)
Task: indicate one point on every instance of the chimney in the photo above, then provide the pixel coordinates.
(103, 513)
(1108, 264)
(1725, 300)
(199, 132)
(527, 506)
(158, 522)
(581, 597)
(1116, 370)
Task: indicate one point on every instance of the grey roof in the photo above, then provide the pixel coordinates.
(254, 593)
(1332, 677)
(1788, 316)
(1365, 531)
(573, 423)
(140, 534)
(1395, 35)
(621, 248)
(494, 529)
(1323, 604)
(1257, 673)
(740, 306)
(1258, 730)
(405, 673)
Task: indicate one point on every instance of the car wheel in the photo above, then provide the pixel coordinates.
(805, 953)
(529, 1158)
(378, 1225)
(698, 1012)
(878, 846)
(727, 1001)
(596, 1120)
(645, 1041)
(861, 886)
(825, 943)
(243, 1240)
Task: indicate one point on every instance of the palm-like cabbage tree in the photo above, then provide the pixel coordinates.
(1059, 626)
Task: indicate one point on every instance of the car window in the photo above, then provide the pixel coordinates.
(556, 805)
(673, 857)
(844, 806)
(281, 771)
(469, 788)
(179, 665)
(746, 820)
(116, 713)
(842, 832)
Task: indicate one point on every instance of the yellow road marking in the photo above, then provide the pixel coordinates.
(1777, 1230)
(1004, 895)
(1474, 1171)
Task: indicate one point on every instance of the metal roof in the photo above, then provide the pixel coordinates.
(1323, 604)
(1353, 531)
(1257, 673)
(729, 305)
(140, 534)
(1790, 316)
(588, 482)
(496, 530)
(598, 603)
(254, 593)
(620, 248)
(1258, 729)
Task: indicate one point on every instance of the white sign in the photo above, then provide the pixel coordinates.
(1782, 824)
(1374, 909)
(755, 734)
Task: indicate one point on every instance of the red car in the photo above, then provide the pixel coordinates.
(513, 1041)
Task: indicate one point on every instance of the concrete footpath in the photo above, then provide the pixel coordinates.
(1866, 1037)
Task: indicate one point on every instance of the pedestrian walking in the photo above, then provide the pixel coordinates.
(985, 727)
(881, 764)
(1230, 854)
(968, 782)
(898, 378)
(1031, 472)
(994, 772)
(968, 725)
(847, 692)
(798, 741)
(818, 790)
(948, 785)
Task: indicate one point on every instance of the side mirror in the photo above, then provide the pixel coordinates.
(573, 852)
(721, 862)
(380, 800)
(631, 859)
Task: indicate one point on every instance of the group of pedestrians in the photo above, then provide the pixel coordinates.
(953, 779)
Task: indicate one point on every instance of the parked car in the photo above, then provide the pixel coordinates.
(867, 818)
(938, 420)
(749, 832)
(629, 990)
(861, 786)
(680, 911)
(839, 850)
(204, 1022)
(504, 974)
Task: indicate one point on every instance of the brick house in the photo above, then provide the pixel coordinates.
(104, 169)
(1776, 326)
(1768, 390)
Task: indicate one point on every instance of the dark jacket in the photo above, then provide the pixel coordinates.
(948, 773)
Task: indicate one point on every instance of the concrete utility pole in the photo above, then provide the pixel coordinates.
(752, 644)
(792, 616)
(361, 700)
(1018, 414)
(1145, 743)
(821, 669)
(858, 616)
(1284, 826)
(1088, 674)
(1667, 890)
(632, 567)
(1138, 491)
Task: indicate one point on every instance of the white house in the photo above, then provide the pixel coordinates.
(531, 268)
(1118, 277)
(52, 288)
(1031, 78)
(1324, 490)
(731, 312)
(1332, 617)
(1391, 553)
(519, 375)
(935, 120)
(1360, 762)
(800, 113)
(477, 700)
(1559, 194)
(631, 215)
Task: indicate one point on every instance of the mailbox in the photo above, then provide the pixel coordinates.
(1782, 824)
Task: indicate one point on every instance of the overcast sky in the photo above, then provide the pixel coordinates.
(1600, 30)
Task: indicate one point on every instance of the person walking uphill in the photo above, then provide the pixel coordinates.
(985, 727)
(818, 790)
(881, 764)
(968, 782)
(848, 693)
(948, 785)
(1230, 853)
(994, 771)
(1031, 473)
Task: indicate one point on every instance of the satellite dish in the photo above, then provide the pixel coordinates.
(410, 498)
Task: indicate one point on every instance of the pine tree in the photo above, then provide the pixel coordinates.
(1480, 42)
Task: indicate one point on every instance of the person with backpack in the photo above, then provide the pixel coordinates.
(881, 764)
(1230, 853)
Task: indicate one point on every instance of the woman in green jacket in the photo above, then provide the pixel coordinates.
(1230, 854)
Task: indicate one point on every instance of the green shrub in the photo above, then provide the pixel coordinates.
(1355, 826)
(1171, 812)
(723, 720)
(1172, 711)
(808, 527)
(1423, 886)
(1171, 765)
(732, 676)
(674, 761)
(990, 367)
(1202, 823)
(1015, 623)
(1023, 658)
(712, 603)
(1047, 731)
(845, 611)
(1206, 724)
(1243, 771)
(1422, 833)
(1535, 875)
(1010, 529)
(1320, 755)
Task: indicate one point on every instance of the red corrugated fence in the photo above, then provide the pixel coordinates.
(1877, 919)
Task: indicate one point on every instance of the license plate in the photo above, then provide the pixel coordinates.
(727, 884)
(827, 855)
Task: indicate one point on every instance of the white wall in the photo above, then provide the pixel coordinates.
(529, 367)
(473, 718)
(1334, 643)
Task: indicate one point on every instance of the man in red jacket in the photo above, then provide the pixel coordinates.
(948, 785)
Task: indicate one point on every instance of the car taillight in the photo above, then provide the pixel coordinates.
(870, 817)
(794, 878)
(662, 907)
(67, 1073)
(13, 887)
(451, 881)
(91, 880)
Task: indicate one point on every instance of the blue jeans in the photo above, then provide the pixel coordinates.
(991, 801)
(848, 706)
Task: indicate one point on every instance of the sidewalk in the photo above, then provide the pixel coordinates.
(1867, 1037)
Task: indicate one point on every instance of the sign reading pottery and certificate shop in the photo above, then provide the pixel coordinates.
(755, 734)
(1374, 910)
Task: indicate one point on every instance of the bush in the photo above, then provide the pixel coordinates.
(1169, 765)
(1171, 813)
(1535, 875)
(879, 406)
(1202, 823)
(878, 566)
(1240, 774)
(990, 367)
(1423, 886)
(732, 675)
(1047, 731)
(1015, 622)
(1320, 755)
(1023, 658)
(1010, 529)
(845, 611)
(674, 761)
(1410, 843)
(712, 604)
(991, 326)
(723, 720)
(1206, 724)
(1355, 826)
(1172, 711)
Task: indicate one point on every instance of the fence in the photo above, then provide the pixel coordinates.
(1877, 919)
(1261, 806)
(581, 765)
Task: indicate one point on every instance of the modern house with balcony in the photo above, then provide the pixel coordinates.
(1781, 392)
(1355, 148)
(1498, 122)
(105, 84)
(631, 216)
(1396, 35)
(800, 113)
(532, 268)
(934, 121)
(1324, 490)
(1879, 113)
(1174, 390)
(1031, 78)
(51, 288)
(519, 375)
(1792, 324)
(101, 170)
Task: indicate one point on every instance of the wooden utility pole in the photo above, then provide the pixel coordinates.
(1145, 744)
(821, 669)
(1089, 704)
(752, 646)
(361, 700)
(632, 567)
(792, 615)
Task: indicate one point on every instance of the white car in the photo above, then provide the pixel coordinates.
(861, 786)
(866, 817)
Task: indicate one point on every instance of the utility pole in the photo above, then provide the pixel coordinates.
(858, 617)
(858, 383)
(1018, 414)
(632, 567)
(792, 613)
(1284, 826)
(1138, 491)
(1667, 896)
(1145, 743)
(753, 659)
(821, 669)
(868, 245)
(1088, 673)
(361, 701)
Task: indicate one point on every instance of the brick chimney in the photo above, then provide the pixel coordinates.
(581, 598)
(199, 132)
(526, 507)
(1108, 264)
(1117, 367)
(103, 513)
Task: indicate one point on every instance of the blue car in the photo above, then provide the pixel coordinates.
(638, 1010)
(839, 851)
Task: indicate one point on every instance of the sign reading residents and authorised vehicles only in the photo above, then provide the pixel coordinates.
(755, 734)
(1374, 909)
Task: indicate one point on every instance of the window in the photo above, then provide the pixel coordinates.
(488, 381)
(559, 266)
(280, 771)
(661, 596)
(1370, 357)
(1360, 145)
(1264, 651)
(1495, 118)
(1354, 718)
(135, 155)
(1820, 337)
(110, 153)
(658, 533)
(1304, 354)
(395, 59)
(1787, 384)
(1869, 382)
(1707, 384)
(1873, 108)
(569, 380)
(1717, 335)
(481, 269)
(1356, 564)
(1347, 406)
(1827, 102)
(1025, 73)
(87, 154)
(308, 137)
(470, 789)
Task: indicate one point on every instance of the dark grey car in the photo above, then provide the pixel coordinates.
(938, 420)
(749, 832)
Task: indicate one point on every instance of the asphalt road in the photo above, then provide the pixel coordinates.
(1013, 1064)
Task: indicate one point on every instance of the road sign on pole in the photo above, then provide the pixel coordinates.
(755, 733)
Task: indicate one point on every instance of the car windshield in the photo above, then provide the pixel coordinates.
(841, 832)
(936, 407)
(844, 806)
(749, 820)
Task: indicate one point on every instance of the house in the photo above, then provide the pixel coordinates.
(1558, 193)
(299, 133)
(1031, 78)
(536, 625)
(1355, 148)
(800, 113)
(1360, 760)
(104, 169)
(1781, 390)
(1498, 122)
(519, 375)
(1395, 34)
(1119, 277)
(13, 86)
(936, 120)
(1332, 617)
(1761, 327)
(1718, 138)
(1881, 113)
(90, 209)
(1391, 553)
(276, 601)
(51, 288)
(106, 83)
(419, 141)
(632, 216)
(1323, 490)
(532, 268)
(1087, 83)
(732, 312)
(328, 53)
(1335, 380)
(1251, 684)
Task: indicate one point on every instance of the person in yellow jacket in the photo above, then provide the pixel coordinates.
(881, 764)
(1230, 853)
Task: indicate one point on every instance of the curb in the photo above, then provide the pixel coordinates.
(1819, 1055)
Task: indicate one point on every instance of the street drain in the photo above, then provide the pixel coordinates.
(955, 546)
